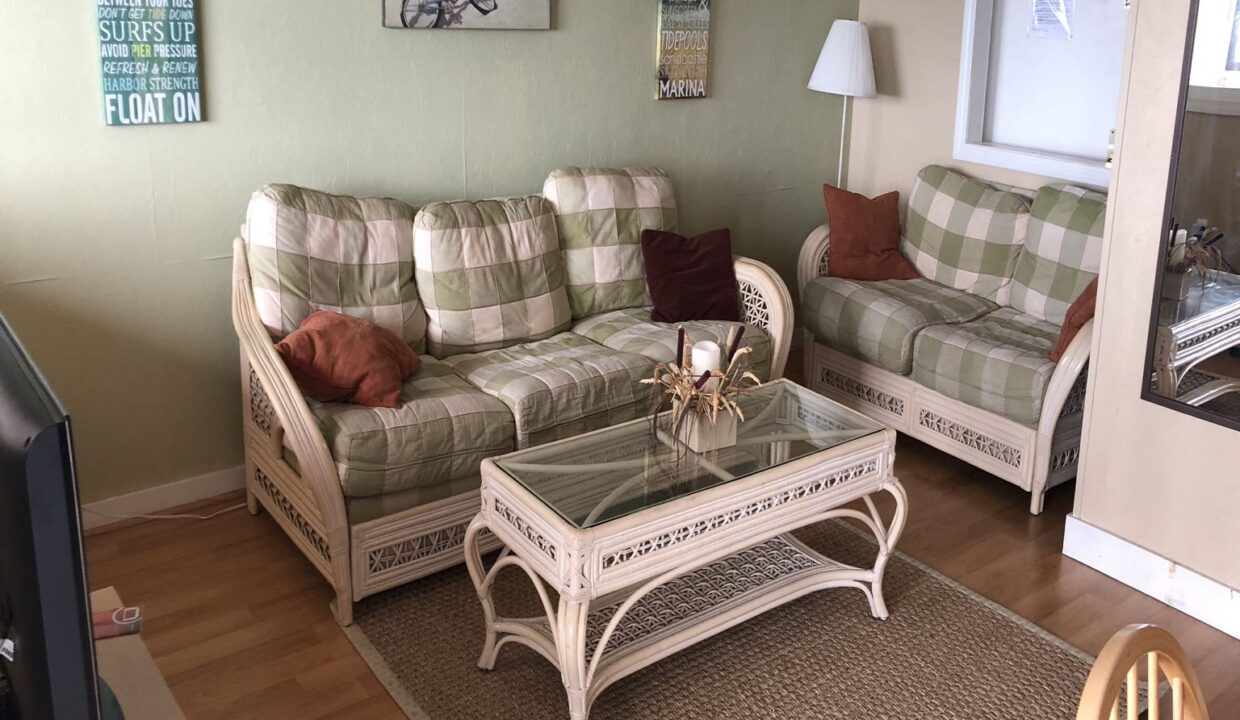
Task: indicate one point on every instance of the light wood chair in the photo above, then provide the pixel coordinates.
(1122, 660)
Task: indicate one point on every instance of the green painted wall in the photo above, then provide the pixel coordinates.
(114, 242)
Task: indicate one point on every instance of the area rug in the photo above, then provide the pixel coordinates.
(945, 652)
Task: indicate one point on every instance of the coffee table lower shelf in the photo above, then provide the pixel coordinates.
(659, 620)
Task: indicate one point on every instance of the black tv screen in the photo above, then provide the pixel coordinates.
(44, 607)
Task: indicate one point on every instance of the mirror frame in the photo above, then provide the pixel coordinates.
(1147, 391)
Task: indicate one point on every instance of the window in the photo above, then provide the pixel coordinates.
(1214, 81)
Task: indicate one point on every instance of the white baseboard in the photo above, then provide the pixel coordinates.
(162, 497)
(1192, 593)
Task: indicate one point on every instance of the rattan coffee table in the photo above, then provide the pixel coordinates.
(638, 548)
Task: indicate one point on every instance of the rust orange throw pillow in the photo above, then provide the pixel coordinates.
(337, 358)
(865, 237)
(1081, 312)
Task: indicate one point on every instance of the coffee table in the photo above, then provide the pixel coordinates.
(638, 548)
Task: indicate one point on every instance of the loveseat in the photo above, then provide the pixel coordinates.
(531, 316)
(958, 358)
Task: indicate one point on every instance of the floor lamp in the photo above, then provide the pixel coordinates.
(845, 67)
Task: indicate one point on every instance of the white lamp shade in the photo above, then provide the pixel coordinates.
(845, 66)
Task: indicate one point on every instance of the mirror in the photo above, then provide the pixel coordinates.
(1194, 351)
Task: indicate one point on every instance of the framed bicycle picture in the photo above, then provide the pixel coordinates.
(468, 14)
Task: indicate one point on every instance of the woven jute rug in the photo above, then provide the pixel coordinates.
(945, 652)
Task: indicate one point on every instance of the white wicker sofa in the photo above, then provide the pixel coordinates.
(958, 358)
(531, 317)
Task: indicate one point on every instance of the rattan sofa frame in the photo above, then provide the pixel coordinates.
(1034, 459)
(308, 503)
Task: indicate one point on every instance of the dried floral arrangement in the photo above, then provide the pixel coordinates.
(1197, 252)
(702, 392)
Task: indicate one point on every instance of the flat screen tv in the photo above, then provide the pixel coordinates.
(47, 661)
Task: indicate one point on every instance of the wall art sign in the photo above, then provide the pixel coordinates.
(468, 14)
(684, 48)
(149, 55)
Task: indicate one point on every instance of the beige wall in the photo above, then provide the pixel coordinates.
(114, 240)
(1156, 477)
(911, 124)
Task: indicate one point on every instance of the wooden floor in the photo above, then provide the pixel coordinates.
(238, 620)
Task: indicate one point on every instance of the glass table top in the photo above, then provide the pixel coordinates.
(1222, 289)
(604, 475)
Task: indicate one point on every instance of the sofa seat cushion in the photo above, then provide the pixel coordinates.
(878, 321)
(633, 331)
(443, 428)
(561, 386)
(997, 363)
(490, 274)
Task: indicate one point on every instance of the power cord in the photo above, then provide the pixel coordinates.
(170, 516)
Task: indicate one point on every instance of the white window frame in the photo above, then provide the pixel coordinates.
(1213, 89)
(970, 144)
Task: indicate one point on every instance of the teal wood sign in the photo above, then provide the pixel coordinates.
(149, 55)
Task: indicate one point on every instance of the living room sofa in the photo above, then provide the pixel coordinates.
(533, 322)
(959, 357)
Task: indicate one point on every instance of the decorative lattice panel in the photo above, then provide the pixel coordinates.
(861, 391)
(261, 411)
(1065, 458)
(754, 309)
(430, 545)
(970, 438)
(700, 591)
(707, 525)
(1075, 404)
(821, 269)
(522, 526)
(289, 511)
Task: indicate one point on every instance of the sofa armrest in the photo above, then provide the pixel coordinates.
(813, 261)
(1065, 377)
(316, 466)
(765, 302)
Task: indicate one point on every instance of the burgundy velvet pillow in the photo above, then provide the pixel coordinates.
(337, 358)
(865, 237)
(1080, 312)
(690, 278)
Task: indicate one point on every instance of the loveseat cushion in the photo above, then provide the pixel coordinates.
(997, 362)
(633, 331)
(490, 274)
(601, 213)
(963, 233)
(309, 250)
(1063, 254)
(877, 321)
(431, 445)
(561, 386)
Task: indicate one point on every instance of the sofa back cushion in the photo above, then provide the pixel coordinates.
(490, 274)
(309, 251)
(1063, 253)
(963, 233)
(601, 213)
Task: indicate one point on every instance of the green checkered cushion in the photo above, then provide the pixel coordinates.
(997, 363)
(877, 321)
(1063, 253)
(431, 444)
(490, 274)
(312, 251)
(562, 386)
(963, 233)
(633, 331)
(601, 213)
